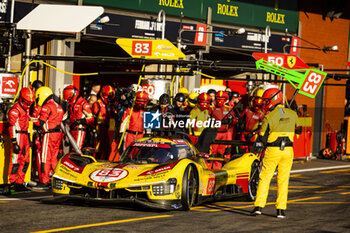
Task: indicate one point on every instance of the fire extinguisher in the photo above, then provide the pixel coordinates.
(343, 145)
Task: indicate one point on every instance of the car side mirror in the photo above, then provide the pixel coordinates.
(202, 155)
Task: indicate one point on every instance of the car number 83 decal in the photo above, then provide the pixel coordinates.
(108, 175)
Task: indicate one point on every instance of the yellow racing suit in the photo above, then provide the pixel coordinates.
(277, 132)
(197, 114)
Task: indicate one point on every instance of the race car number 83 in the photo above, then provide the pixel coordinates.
(108, 175)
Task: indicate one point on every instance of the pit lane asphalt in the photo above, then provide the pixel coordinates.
(319, 201)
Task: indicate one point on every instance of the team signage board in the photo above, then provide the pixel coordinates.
(125, 26)
(151, 49)
(279, 15)
(201, 37)
(8, 85)
(294, 46)
(308, 82)
(285, 60)
(155, 87)
(250, 40)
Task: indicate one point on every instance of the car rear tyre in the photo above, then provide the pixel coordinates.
(189, 188)
(254, 180)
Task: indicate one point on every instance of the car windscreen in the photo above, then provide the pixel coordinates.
(160, 153)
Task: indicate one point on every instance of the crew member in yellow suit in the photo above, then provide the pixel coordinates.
(277, 132)
(200, 113)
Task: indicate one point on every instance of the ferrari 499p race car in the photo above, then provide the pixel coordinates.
(156, 172)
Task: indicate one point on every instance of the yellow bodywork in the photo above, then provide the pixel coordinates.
(143, 178)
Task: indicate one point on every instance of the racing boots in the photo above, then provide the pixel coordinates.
(281, 214)
(18, 188)
(256, 211)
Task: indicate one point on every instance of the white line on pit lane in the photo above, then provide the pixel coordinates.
(320, 169)
(24, 198)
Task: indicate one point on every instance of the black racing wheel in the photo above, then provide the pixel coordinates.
(254, 180)
(189, 188)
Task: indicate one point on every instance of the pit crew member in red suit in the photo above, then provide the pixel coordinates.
(19, 123)
(167, 111)
(223, 113)
(80, 114)
(102, 111)
(50, 119)
(134, 128)
(250, 120)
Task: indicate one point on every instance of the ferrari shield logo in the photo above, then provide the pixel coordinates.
(291, 61)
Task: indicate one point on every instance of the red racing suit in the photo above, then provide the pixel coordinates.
(50, 119)
(80, 117)
(250, 120)
(36, 150)
(19, 123)
(134, 129)
(228, 119)
(102, 113)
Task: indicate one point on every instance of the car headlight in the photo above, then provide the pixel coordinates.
(164, 188)
(57, 184)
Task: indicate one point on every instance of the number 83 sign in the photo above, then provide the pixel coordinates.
(312, 83)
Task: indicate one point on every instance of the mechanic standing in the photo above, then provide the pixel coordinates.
(249, 121)
(226, 115)
(179, 110)
(50, 119)
(102, 111)
(19, 123)
(200, 113)
(277, 132)
(135, 128)
(80, 114)
(167, 111)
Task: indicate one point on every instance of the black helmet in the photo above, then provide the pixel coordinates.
(36, 84)
(210, 91)
(180, 97)
(164, 99)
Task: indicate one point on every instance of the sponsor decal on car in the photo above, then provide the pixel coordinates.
(69, 164)
(132, 167)
(153, 144)
(108, 175)
(179, 141)
(158, 170)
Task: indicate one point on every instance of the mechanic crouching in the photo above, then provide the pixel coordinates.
(50, 119)
(277, 132)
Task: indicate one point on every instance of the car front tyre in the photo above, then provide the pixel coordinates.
(189, 188)
(254, 180)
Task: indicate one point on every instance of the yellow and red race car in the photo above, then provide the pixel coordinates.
(156, 172)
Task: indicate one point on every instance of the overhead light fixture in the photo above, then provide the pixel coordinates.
(331, 48)
(325, 49)
(240, 31)
(105, 19)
